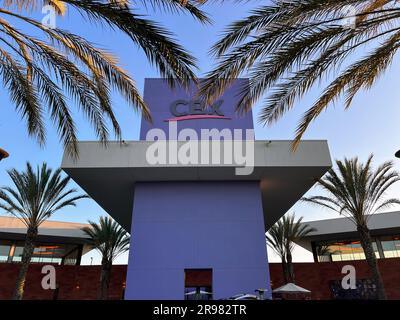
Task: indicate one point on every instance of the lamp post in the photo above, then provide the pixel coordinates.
(3, 154)
(397, 154)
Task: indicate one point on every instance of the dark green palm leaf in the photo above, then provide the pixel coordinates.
(282, 235)
(356, 190)
(108, 237)
(41, 72)
(35, 197)
(37, 194)
(288, 46)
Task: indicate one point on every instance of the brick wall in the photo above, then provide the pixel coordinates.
(316, 276)
(82, 282)
(74, 282)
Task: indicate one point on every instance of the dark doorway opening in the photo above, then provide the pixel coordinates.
(198, 284)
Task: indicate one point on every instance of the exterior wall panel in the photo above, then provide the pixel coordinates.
(202, 225)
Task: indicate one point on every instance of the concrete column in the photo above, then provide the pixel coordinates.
(11, 253)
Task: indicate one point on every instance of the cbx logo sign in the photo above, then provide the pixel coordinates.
(195, 109)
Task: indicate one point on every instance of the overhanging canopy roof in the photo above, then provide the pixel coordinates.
(343, 228)
(108, 174)
(12, 228)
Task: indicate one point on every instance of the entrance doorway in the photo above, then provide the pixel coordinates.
(198, 284)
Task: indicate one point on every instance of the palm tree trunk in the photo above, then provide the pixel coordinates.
(366, 243)
(105, 279)
(284, 269)
(290, 267)
(26, 259)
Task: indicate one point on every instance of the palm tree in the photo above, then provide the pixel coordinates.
(324, 250)
(110, 239)
(41, 67)
(276, 240)
(281, 238)
(36, 197)
(288, 46)
(357, 191)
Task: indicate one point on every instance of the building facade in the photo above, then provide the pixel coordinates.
(338, 240)
(187, 210)
(57, 242)
(322, 277)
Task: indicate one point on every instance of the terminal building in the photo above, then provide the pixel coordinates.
(338, 240)
(199, 227)
(190, 215)
(334, 244)
(58, 242)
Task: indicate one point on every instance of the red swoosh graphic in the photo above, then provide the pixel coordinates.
(194, 117)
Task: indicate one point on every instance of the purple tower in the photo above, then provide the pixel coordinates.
(184, 226)
(197, 227)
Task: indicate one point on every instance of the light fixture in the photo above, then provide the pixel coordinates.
(3, 154)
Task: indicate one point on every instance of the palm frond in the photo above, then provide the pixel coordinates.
(356, 190)
(285, 232)
(42, 72)
(37, 194)
(286, 47)
(177, 6)
(109, 238)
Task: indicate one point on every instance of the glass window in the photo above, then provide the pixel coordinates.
(72, 257)
(18, 253)
(4, 250)
(375, 248)
(357, 250)
(342, 251)
(391, 246)
(48, 253)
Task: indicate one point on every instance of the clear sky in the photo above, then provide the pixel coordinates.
(370, 126)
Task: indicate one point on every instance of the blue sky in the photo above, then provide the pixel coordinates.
(370, 126)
